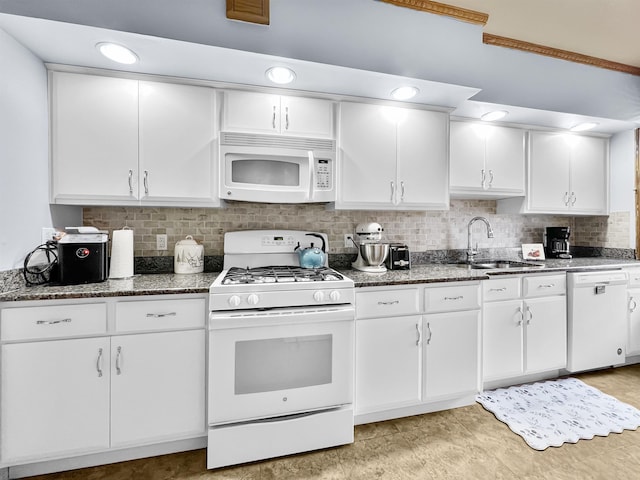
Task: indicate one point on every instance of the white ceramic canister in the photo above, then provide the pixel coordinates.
(188, 256)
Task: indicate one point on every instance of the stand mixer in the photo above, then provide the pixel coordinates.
(371, 253)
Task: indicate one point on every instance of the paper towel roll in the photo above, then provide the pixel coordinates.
(121, 254)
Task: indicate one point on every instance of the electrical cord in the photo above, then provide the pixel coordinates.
(38, 272)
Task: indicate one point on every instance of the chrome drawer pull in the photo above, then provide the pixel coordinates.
(530, 317)
(161, 315)
(501, 289)
(419, 334)
(547, 285)
(53, 322)
(118, 369)
(99, 362)
(459, 297)
(429, 331)
(519, 323)
(392, 302)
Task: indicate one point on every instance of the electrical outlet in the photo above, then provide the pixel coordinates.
(161, 241)
(348, 240)
(47, 234)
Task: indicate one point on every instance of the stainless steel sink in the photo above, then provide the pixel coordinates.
(505, 264)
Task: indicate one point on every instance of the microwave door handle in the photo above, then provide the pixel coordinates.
(312, 175)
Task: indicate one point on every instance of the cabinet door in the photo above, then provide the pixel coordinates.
(633, 337)
(251, 112)
(504, 164)
(158, 386)
(177, 134)
(589, 175)
(546, 334)
(451, 360)
(94, 143)
(549, 160)
(422, 160)
(54, 397)
(388, 363)
(306, 117)
(467, 151)
(502, 340)
(367, 156)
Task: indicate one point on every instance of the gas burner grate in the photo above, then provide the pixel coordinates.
(279, 274)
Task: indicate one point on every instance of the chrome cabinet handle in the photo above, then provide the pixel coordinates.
(393, 190)
(519, 322)
(501, 289)
(53, 322)
(632, 304)
(392, 302)
(459, 297)
(161, 315)
(99, 363)
(566, 198)
(146, 182)
(119, 354)
(402, 191)
(483, 179)
(286, 118)
(546, 285)
(573, 199)
(273, 120)
(490, 178)
(530, 315)
(429, 332)
(419, 335)
(130, 182)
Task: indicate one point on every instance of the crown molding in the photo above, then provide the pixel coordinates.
(463, 14)
(498, 41)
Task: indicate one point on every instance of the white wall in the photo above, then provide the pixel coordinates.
(622, 157)
(24, 204)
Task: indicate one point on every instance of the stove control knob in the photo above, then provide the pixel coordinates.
(334, 295)
(318, 296)
(234, 300)
(253, 299)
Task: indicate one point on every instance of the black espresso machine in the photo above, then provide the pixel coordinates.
(79, 256)
(556, 242)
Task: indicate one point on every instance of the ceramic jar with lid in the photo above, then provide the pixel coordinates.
(188, 256)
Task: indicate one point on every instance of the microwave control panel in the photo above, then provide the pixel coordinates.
(323, 174)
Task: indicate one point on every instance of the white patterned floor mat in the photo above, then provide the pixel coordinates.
(551, 413)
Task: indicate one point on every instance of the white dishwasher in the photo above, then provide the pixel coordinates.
(597, 319)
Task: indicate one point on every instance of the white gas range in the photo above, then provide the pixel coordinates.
(280, 351)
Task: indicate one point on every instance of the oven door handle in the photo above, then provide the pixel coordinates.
(252, 318)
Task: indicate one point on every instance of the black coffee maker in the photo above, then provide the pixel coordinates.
(556, 242)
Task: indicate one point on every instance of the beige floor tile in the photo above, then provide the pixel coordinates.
(322, 464)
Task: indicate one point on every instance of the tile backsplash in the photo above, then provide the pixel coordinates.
(421, 231)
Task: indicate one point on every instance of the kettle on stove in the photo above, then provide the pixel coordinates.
(312, 257)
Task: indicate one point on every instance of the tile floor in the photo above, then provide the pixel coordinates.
(465, 443)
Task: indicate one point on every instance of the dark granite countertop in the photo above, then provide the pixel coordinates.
(432, 273)
(152, 284)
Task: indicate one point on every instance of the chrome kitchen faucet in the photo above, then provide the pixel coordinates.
(470, 250)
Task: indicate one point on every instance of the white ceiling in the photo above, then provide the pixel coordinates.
(606, 29)
(360, 47)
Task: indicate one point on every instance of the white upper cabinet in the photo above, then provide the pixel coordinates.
(253, 112)
(487, 161)
(94, 139)
(567, 174)
(123, 142)
(392, 158)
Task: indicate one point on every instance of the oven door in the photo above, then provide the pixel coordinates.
(278, 362)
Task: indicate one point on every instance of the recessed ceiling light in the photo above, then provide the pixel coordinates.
(281, 75)
(495, 115)
(404, 93)
(581, 127)
(117, 53)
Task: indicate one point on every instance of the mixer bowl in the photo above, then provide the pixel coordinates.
(374, 254)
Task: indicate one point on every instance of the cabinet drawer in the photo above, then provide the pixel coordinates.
(382, 303)
(506, 288)
(28, 323)
(451, 298)
(543, 285)
(634, 277)
(160, 315)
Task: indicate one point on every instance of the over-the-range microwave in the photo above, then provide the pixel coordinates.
(276, 169)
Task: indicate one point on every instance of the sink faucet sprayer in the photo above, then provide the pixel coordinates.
(470, 250)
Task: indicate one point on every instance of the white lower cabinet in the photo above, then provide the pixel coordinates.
(524, 329)
(412, 347)
(72, 382)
